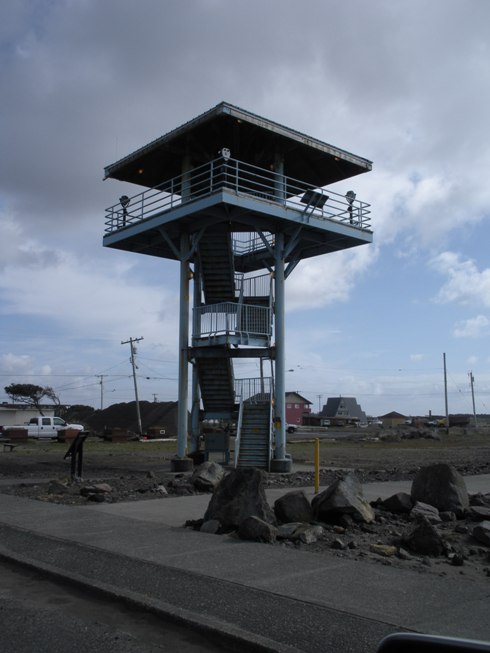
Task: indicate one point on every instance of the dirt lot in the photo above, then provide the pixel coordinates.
(138, 471)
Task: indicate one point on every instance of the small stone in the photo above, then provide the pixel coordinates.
(338, 544)
(403, 554)
(102, 488)
(456, 559)
(385, 550)
(96, 498)
(211, 526)
(447, 516)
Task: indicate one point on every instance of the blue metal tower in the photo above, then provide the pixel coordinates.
(239, 201)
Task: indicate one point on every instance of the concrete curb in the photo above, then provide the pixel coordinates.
(213, 627)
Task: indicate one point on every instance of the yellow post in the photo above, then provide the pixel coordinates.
(317, 465)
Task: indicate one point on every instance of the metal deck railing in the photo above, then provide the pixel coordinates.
(231, 319)
(259, 285)
(311, 202)
(254, 389)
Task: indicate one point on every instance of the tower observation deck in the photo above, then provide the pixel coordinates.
(239, 201)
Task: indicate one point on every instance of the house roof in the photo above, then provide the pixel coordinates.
(349, 404)
(392, 415)
(296, 397)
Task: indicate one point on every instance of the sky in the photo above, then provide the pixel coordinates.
(405, 84)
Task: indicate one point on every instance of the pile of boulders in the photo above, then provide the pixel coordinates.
(431, 521)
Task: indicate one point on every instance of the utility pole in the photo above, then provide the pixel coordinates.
(131, 342)
(101, 377)
(445, 393)
(472, 380)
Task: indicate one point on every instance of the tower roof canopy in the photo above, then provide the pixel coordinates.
(249, 137)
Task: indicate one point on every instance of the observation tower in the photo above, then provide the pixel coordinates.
(238, 201)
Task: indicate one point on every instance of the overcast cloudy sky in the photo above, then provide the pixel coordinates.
(403, 83)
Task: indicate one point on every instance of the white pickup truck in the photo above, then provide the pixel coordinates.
(44, 427)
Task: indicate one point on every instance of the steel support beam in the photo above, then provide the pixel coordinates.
(180, 462)
(280, 394)
(196, 396)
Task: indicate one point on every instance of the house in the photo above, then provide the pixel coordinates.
(15, 414)
(296, 407)
(342, 410)
(393, 419)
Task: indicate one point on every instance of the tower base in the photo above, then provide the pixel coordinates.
(181, 465)
(283, 466)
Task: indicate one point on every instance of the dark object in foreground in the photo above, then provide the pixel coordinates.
(419, 643)
(75, 452)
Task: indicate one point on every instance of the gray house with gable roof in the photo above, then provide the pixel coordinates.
(343, 410)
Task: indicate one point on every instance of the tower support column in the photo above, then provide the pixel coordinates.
(180, 462)
(280, 461)
(196, 397)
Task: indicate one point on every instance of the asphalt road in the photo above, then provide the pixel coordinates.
(38, 614)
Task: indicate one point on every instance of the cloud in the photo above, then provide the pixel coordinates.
(83, 296)
(475, 327)
(465, 283)
(327, 279)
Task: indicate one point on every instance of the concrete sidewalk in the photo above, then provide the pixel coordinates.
(278, 598)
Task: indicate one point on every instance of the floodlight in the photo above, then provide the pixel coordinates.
(124, 201)
(350, 196)
(314, 199)
(225, 153)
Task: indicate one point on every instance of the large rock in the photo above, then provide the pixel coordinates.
(300, 532)
(425, 510)
(207, 476)
(293, 507)
(240, 495)
(482, 532)
(257, 530)
(424, 539)
(441, 486)
(343, 497)
(398, 503)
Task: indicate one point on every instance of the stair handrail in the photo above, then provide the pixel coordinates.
(238, 432)
(271, 431)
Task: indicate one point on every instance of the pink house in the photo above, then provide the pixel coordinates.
(296, 407)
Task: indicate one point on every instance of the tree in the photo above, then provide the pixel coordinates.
(31, 394)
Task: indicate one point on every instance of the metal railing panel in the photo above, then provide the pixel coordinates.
(229, 318)
(254, 390)
(259, 285)
(244, 179)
